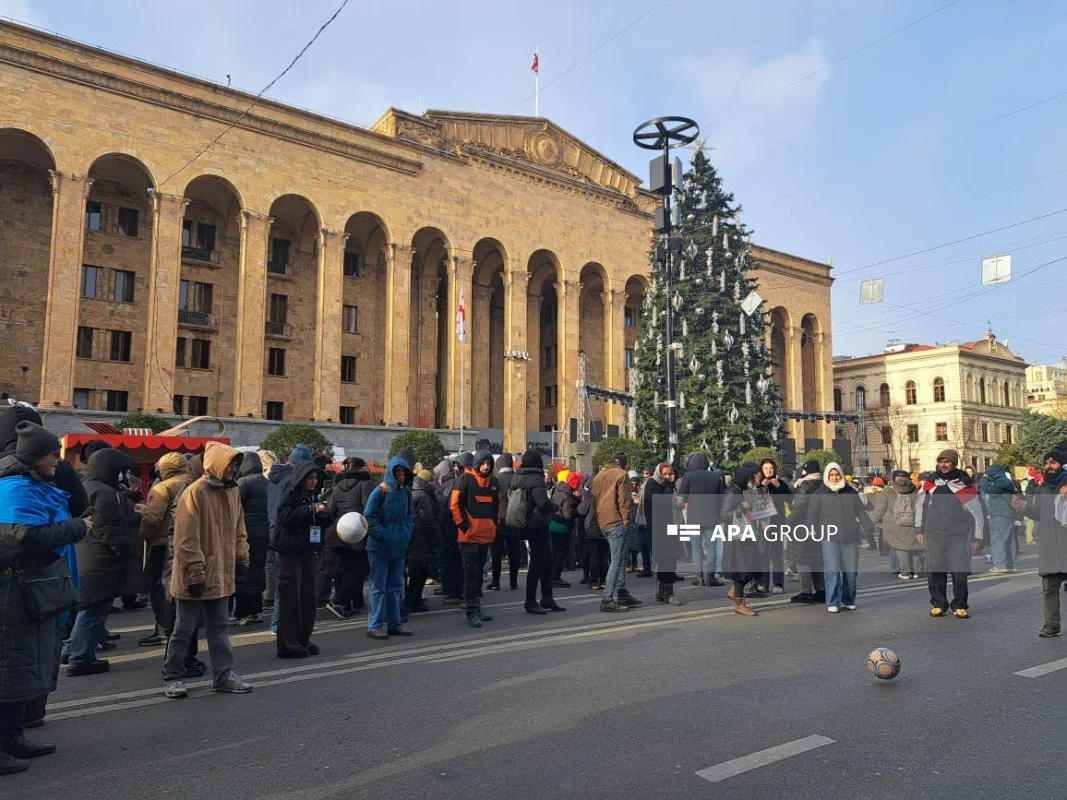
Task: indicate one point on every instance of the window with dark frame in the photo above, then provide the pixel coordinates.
(939, 390)
(985, 431)
(93, 215)
(117, 400)
(352, 264)
(129, 219)
(350, 319)
(178, 404)
(279, 256)
(887, 434)
(629, 316)
(276, 361)
(913, 434)
(200, 354)
(81, 398)
(196, 296)
(275, 410)
(179, 352)
(85, 342)
(197, 406)
(205, 236)
(120, 345)
(941, 432)
(124, 285)
(550, 356)
(187, 233)
(348, 415)
(348, 369)
(628, 359)
(1008, 434)
(92, 282)
(279, 308)
(911, 396)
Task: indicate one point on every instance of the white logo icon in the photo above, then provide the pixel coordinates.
(683, 532)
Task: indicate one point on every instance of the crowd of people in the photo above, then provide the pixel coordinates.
(226, 538)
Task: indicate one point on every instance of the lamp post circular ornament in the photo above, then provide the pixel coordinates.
(662, 132)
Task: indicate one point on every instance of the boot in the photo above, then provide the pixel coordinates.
(742, 608)
(661, 592)
(732, 594)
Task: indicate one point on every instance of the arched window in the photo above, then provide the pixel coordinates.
(837, 398)
(1007, 394)
(861, 398)
(939, 390)
(883, 395)
(911, 396)
(981, 390)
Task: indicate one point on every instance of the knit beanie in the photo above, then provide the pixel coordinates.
(91, 447)
(810, 468)
(950, 454)
(299, 453)
(34, 443)
(531, 459)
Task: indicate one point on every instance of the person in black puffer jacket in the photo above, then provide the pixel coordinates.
(424, 539)
(252, 484)
(448, 560)
(299, 536)
(530, 477)
(565, 497)
(807, 554)
(102, 556)
(351, 489)
(598, 548)
(508, 540)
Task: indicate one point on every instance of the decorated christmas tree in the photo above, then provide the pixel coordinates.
(727, 402)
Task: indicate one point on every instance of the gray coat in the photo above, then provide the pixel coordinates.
(29, 651)
(1052, 537)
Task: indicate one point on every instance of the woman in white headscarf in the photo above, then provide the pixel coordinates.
(837, 514)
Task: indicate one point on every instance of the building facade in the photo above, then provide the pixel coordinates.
(301, 268)
(1046, 389)
(917, 399)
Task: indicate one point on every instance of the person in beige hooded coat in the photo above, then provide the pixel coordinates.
(157, 526)
(209, 546)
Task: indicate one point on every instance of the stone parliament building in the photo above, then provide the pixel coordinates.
(307, 269)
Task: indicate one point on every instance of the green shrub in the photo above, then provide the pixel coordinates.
(757, 454)
(426, 446)
(637, 454)
(285, 437)
(824, 457)
(140, 419)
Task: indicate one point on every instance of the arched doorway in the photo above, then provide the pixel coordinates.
(25, 252)
(592, 338)
(429, 336)
(636, 288)
(781, 369)
(113, 351)
(486, 330)
(809, 370)
(292, 303)
(542, 340)
(363, 319)
(207, 298)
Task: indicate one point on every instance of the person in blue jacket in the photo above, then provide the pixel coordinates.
(998, 488)
(390, 513)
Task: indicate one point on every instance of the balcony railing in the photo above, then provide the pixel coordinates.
(278, 267)
(277, 329)
(198, 254)
(196, 319)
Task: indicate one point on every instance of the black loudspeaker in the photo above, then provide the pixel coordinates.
(659, 175)
(613, 431)
(843, 447)
(596, 431)
(813, 444)
(789, 453)
(572, 429)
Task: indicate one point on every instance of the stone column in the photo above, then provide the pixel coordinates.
(397, 333)
(328, 325)
(795, 377)
(614, 347)
(251, 314)
(533, 368)
(823, 384)
(69, 193)
(460, 282)
(567, 335)
(517, 367)
(168, 213)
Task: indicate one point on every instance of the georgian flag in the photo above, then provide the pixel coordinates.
(461, 320)
(534, 65)
(966, 493)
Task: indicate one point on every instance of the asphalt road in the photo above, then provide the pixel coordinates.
(585, 704)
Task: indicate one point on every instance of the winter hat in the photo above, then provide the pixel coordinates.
(810, 467)
(34, 442)
(899, 473)
(424, 475)
(506, 460)
(574, 479)
(620, 459)
(950, 454)
(91, 447)
(465, 460)
(532, 458)
(634, 476)
(562, 475)
(299, 453)
(409, 458)
(1058, 455)
(877, 481)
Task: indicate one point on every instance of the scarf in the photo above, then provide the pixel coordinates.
(963, 489)
(24, 501)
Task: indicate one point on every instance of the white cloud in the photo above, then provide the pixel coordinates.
(347, 97)
(724, 84)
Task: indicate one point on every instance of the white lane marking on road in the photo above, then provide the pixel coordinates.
(730, 769)
(1043, 669)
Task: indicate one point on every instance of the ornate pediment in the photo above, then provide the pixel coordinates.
(533, 140)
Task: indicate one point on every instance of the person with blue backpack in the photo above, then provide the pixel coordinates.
(390, 513)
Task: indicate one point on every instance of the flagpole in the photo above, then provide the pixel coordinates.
(461, 382)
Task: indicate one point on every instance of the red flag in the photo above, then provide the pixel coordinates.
(533, 66)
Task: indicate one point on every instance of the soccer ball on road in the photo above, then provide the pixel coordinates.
(883, 663)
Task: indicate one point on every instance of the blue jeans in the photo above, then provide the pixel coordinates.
(894, 562)
(709, 553)
(841, 564)
(386, 585)
(644, 541)
(616, 580)
(88, 633)
(1002, 542)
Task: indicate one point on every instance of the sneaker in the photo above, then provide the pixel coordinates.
(175, 690)
(999, 571)
(233, 685)
(937, 611)
(716, 580)
(400, 630)
(493, 587)
(675, 601)
(961, 613)
(833, 609)
(106, 647)
(337, 610)
(777, 590)
(474, 620)
(1049, 632)
(608, 605)
(195, 668)
(377, 633)
(95, 667)
(791, 575)
(915, 576)
(155, 640)
(904, 576)
(584, 581)
(761, 588)
(250, 620)
(111, 637)
(820, 597)
(628, 600)
(850, 606)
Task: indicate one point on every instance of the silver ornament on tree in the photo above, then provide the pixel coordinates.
(700, 311)
(741, 324)
(694, 365)
(681, 399)
(676, 301)
(762, 385)
(726, 446)
(727, 340)
(748, 393)
(733, 415)
(714, 348)
(704, 413)
(722, 281)
(715, 322)
(715, 225)
(685, 328)
(737, 290)
(718, 373)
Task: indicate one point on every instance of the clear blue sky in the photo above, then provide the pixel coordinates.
(823, 168)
